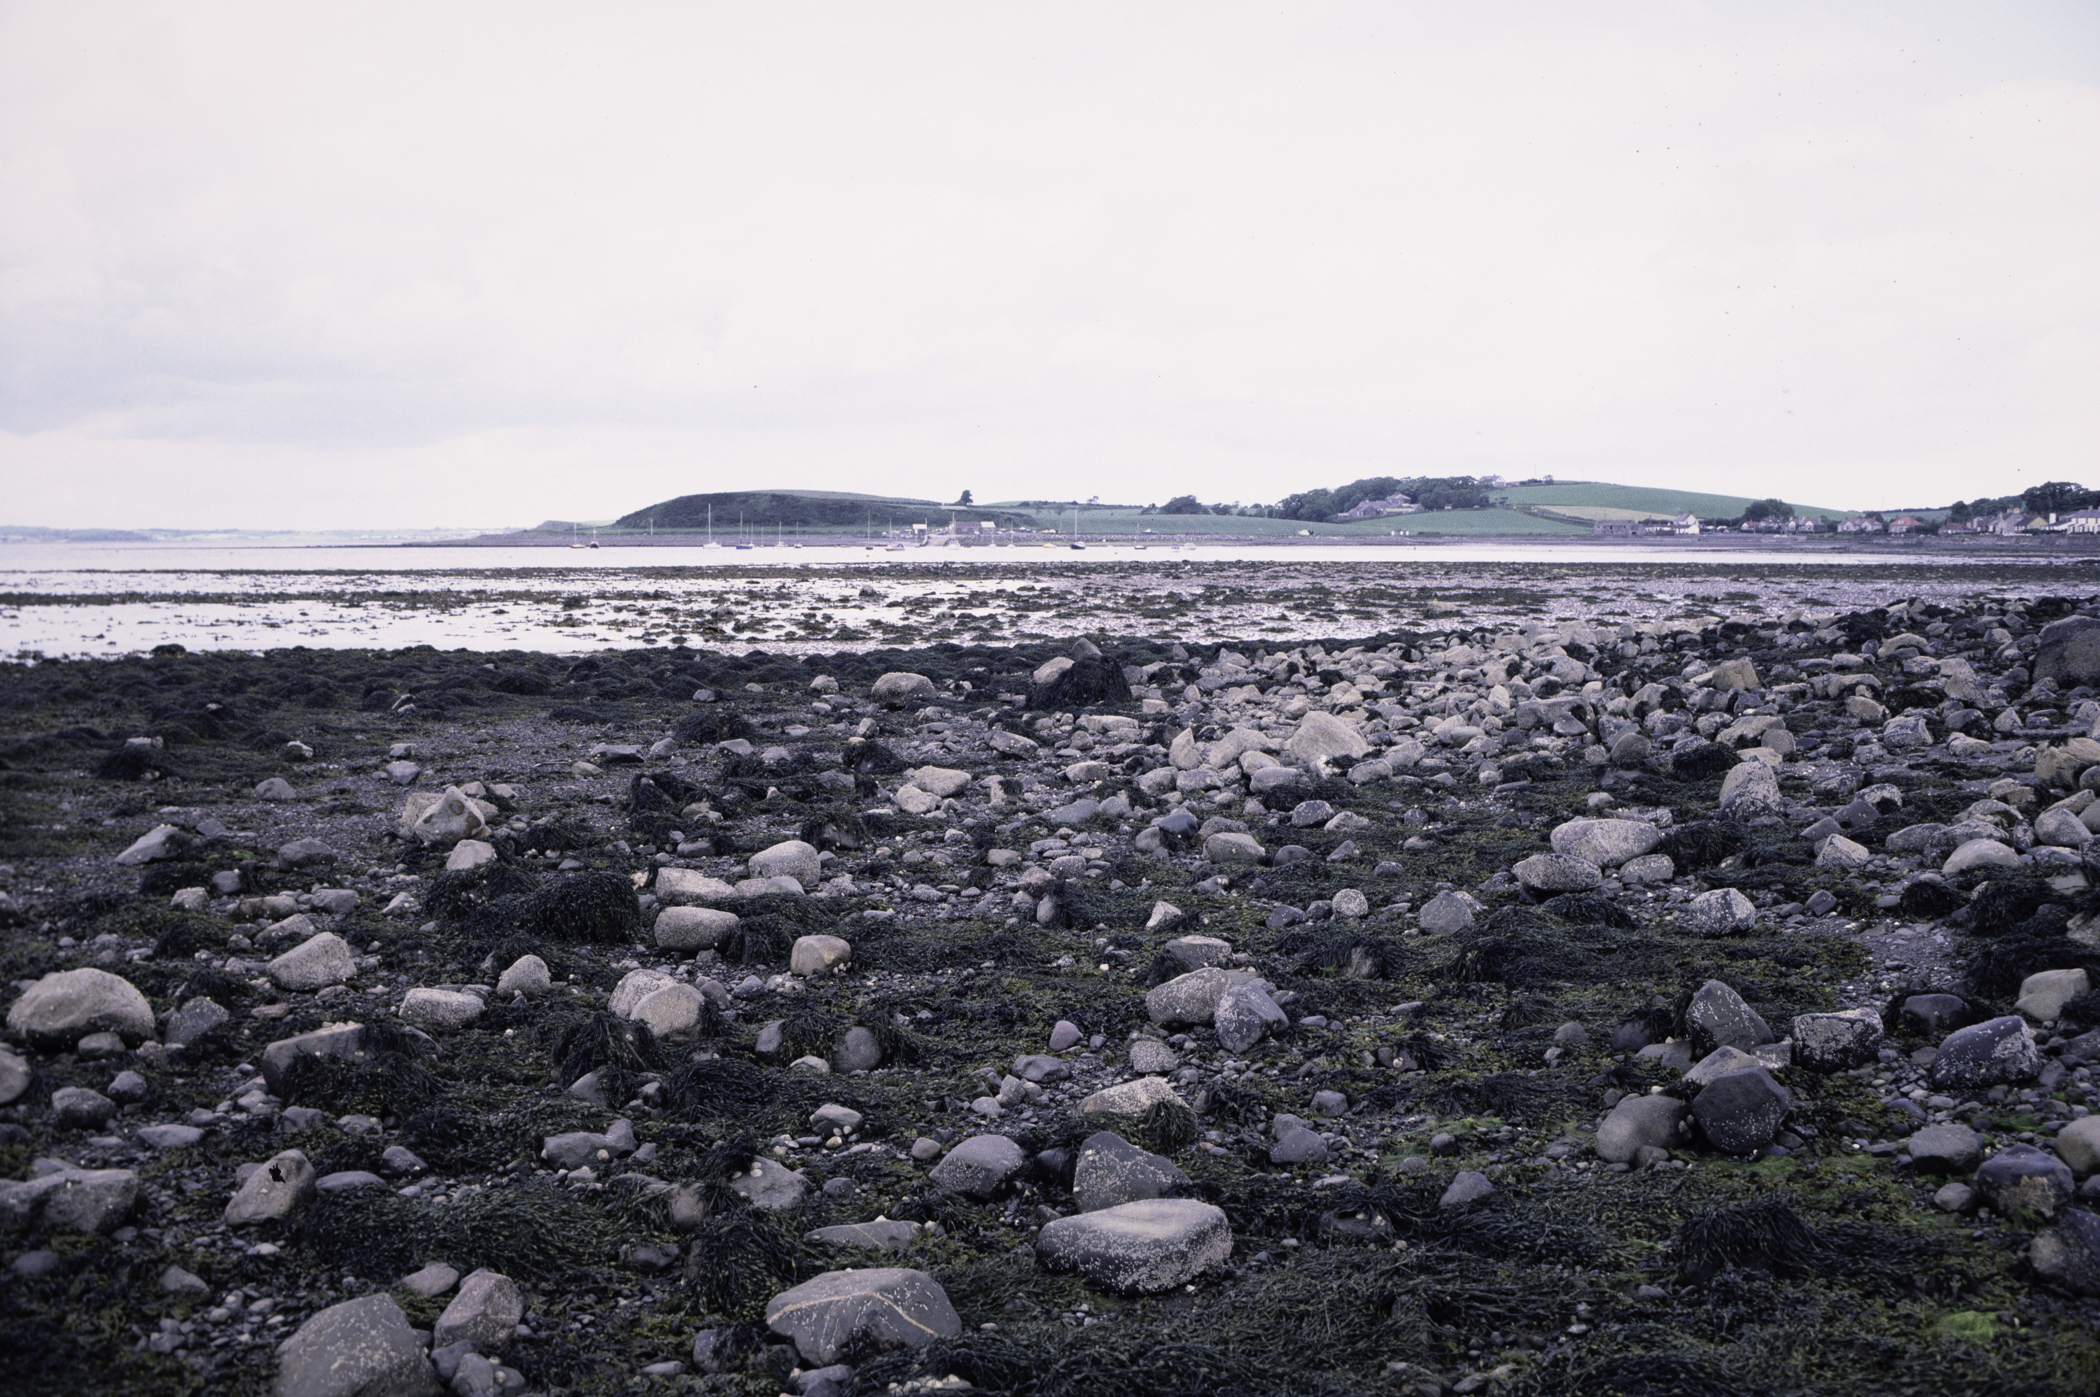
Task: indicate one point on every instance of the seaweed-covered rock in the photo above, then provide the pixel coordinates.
(1639, 1122)
(342, 1042)
(2068, 1252)
(65, 1006)
(1836, 1042)
(360, 1348)
(1717, 1016)
(1145, 1246)
(841, 1313)
(1993, 1053)
(979, 1165)
(1110, 1170)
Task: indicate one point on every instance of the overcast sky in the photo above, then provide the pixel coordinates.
(373, 265)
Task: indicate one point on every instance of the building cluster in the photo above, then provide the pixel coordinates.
(1378, 509)
(2013, 522)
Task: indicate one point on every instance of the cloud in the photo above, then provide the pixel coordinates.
(397, 265)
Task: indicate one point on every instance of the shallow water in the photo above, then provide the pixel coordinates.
(112, 599)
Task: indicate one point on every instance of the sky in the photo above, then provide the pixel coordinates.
(410, 265)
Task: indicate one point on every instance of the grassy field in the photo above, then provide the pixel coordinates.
(1639, 502)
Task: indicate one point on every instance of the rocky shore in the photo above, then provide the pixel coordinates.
(1580, 1006)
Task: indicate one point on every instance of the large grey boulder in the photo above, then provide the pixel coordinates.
(1146, 1246)
(1751, 789)
(14, 1077)
(67, 1005)
(819, 955)
(342, 1041)
(157, 844)
(979, 1165)
(1739, 1112)
(1232, 846)
(360, 1348)
(1837, 1042)
(694, 928)
(1110, 1171)
(485, 1312)
(85, 1200)
(282, 1186)
(791, 858)
(1447, 913)
(1188, 999)
(1722, 912)
(770, 1184)
(899, 687)
(2044, 994)
(440, 1011)
(879, 1235)
(1605, 843)
(1193, 952)
(1322, 737)
(1996, 1052)
(2069, 652)
(195, 1020)
(1245, 1015)
(313, 964)
(846, 1312)
(1952, 1148)
(2068, 1253)
(1718, 1017)
(1637, 1121)
(1129, 1100)
(1558, 873)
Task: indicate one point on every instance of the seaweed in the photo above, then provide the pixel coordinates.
(596, 906)
(712, 722)
(1088, 682)
(1702, 843)
(605, 1040)
(739, 1260)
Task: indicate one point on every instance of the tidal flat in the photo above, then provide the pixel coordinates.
(1140, 977)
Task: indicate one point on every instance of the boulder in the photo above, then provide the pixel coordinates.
(485, 1313)
(2078, 1144)
(2067, 1253)
(1148, 1246)
(82, 1108)
(693, 928)
(1739, 1112)
(1751, 789)
(1188, 999)
(440, 1011)
(681, 887)
(1110, 1171)
(315, 963)
(1993, 1053)
(1637, 1122)
(157, 844)
(1980, 853)
(899, 687)
(1447, 913)
(1194, 952)
(2068, 651)
(791, 858)
(1130, 1099)
(1722, 912)
(344, 1041)
(879, 1235)
(1467, 1186)
(1229, 846)
(2024, 1179)
(1322, 737)
(2062, 829)
(1717, 1016)
(1837, 1042)
(1605, 843)
(360, 1348)
(771, 1185)
(527, 975)
(15, 1075)
(282, 1186)
(1952, 1148)
(85, 1200)
(66, 1005)
(819, 955)
(1558, 873)
(2043, 995)
(941, 781)
(848, 1313)
(444, 818)
(1836, 851)
(979, 1165)
(1245, 1014)
(672, 1013)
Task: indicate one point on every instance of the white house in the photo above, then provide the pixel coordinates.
(1687, 524)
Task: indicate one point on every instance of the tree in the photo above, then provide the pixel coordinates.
(965, 499)
(1767, 509)
(2058, 497)
(1181, 504)
(1960, 511)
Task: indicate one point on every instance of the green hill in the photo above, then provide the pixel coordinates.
(1638, 501)
(800, 509)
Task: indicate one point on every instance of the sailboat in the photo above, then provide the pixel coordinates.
(575, 539)
(1077, 546)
